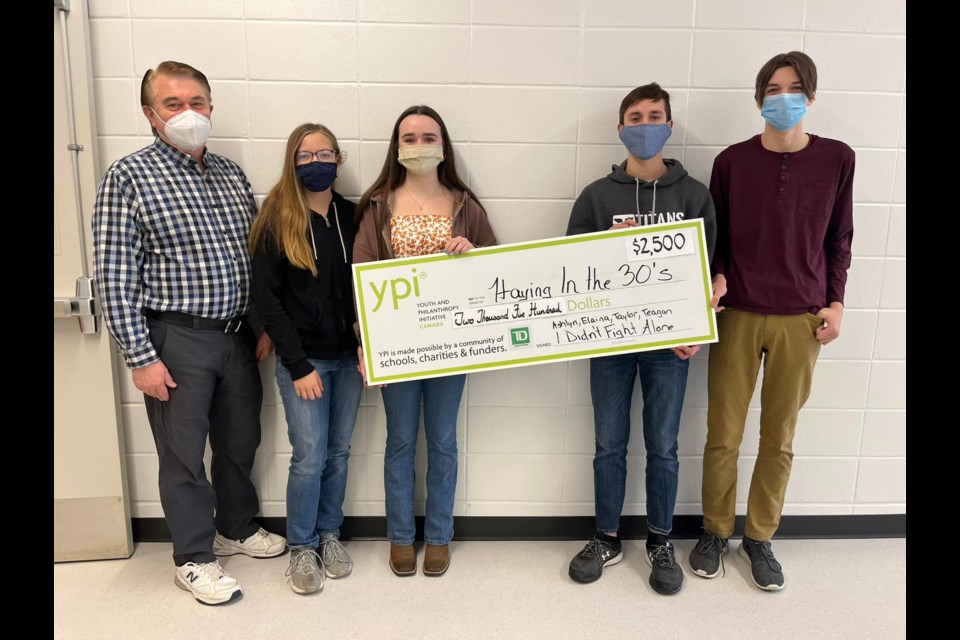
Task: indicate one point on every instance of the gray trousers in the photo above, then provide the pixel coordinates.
(218, 394)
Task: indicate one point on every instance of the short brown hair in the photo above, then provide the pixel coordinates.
(801, 63)
(651, 91)
(169, 68)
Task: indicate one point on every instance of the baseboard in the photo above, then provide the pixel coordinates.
(579, 527)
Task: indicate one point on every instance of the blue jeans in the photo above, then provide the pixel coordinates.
(441, 401)
(320, 432)
(663, 381)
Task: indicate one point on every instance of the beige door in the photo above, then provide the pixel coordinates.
(91, 513)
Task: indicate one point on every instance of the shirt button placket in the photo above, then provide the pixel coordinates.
(782, 192)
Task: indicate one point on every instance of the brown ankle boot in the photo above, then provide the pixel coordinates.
(436, 560)
(403, 559)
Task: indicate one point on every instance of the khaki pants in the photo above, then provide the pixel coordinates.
(788, 348)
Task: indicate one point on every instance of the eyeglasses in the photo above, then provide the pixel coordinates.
(323, 155)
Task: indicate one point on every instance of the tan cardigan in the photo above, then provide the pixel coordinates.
(373, 237)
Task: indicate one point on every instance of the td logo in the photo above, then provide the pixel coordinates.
(519, 336)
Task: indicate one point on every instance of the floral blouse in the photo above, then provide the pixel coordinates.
(419, 235)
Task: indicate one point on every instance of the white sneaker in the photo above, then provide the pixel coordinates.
(262, 544)
(208, 582)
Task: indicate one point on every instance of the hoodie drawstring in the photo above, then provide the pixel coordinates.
(637, 180)
(336, 218)
(653, 208)
(313, 240)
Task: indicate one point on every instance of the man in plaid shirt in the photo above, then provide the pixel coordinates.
(170, 229)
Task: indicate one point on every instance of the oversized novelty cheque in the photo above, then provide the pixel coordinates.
(527, 303)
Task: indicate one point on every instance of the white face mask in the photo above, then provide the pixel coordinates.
(420, 159)
(188, 129)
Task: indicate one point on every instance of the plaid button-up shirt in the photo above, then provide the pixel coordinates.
(170, 238)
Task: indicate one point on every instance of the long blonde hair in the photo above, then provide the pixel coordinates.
(285, 214)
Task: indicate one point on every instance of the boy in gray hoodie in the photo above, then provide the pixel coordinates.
(644, 189)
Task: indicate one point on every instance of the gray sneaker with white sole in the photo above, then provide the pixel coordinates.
(706, 557)
(305, 572)
(336, 561)
(764, 568)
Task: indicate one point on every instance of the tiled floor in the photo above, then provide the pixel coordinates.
(835, 589)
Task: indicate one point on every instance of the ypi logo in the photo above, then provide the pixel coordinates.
(400, 288)
(519, 336)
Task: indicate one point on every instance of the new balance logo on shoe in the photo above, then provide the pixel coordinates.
(207, 582)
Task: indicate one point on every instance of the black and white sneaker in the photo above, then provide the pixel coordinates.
(666, 576)
(764, 568)
(587, 566)
(706, 558)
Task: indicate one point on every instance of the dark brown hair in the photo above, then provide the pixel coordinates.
(393, 174)
(801, 63)
(651, 91)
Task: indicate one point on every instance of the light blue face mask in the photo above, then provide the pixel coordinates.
(785, 110)
(645, 140)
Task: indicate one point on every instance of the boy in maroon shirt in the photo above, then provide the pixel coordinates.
(784, 203)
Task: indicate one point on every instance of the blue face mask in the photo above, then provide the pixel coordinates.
(317, 176)
(785, 110)
(645, 140)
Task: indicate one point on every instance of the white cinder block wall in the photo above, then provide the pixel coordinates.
(530, 92)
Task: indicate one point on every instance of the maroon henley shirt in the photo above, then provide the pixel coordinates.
(784, 225)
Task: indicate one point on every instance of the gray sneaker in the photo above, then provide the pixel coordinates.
(304, 570)
(587, 566)
(706, 557)
(336, 560)
(666, 576)
(764, 568)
